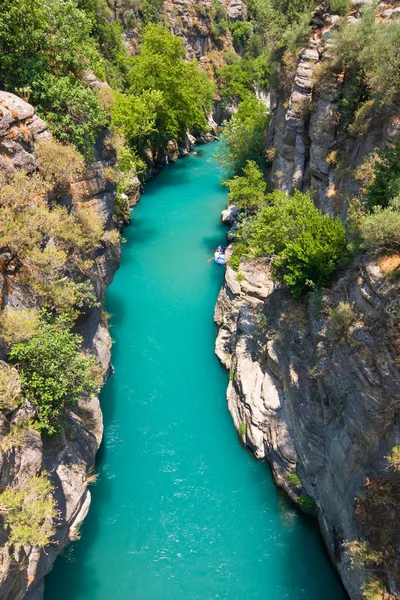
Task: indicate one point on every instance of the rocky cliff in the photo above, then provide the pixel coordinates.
(308, 148)
(68, 458)
(314, 384)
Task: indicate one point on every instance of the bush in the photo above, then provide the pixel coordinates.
(247, 191)
(54, 373)
(306, 244)
(72, 111)
(10, 387)
(380, 230)
(241, 78)
(339, 320)
(29, 513)
(339, 7)
(369, 48)
(243, 137)
(385, 184)
(294, 479)
(18, 324)
(307, 504)
(58, 164)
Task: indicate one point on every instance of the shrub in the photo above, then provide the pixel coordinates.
(385, 184)
(381, 228)
(10, 388)
(242, 428)
(72, 111)
(339, 7)
(247, 191)
(368, 48)
(238, 251)
(307, 504)
(29, 513)
(339, 320)
(58, 164)
(294, 479)
(394, 458)
(17, 325)
(362, 119)
(54, 373)
(243, 137)
(306, 244)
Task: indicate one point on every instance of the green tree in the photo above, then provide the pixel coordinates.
(306, 244)
(248, 190)
(185, 92)
(243, 137)
(54, 373)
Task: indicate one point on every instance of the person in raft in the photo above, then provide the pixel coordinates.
(219, 256)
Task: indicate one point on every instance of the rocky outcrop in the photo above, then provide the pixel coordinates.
(310, 151)
(195, 24)
(314, 396)
(70, 457)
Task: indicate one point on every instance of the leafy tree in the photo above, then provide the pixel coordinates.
(240, 79)
(369, 47)
(28, 513)
(72, 111)
(385, 184)
(136, 116)
(307, 244)
(248, 190)
(243, 137)
(185, 92)
(54, 373)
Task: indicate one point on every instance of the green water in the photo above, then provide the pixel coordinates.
(181, 511)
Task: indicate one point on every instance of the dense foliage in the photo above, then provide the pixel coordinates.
(54, 373)
(243, 137)
(306, 244)
(29, 512)
(44, 45)
(167, 95)
(248, 190)
(367, 49)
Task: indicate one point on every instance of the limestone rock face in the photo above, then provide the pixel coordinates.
(70, 457)
(310, 152)
(308, 401)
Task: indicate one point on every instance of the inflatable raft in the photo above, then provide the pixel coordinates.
(219, 255)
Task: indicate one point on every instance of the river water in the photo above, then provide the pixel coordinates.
(181, 511)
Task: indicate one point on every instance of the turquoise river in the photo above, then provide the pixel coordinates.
(180, 510)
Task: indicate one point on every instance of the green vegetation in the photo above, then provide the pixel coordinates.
(294, 479)
(167, 96)
(243, 137)
(366, 49)
(28, 513)
(385, 184)
(248, 190)
(307, 504)
(340, 319)
(43, 47)
(242, 428)
(306, 244)
(54, 373)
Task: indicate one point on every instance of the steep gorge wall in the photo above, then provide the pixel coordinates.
(304, 131)
(68, 458)
(320, 405)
